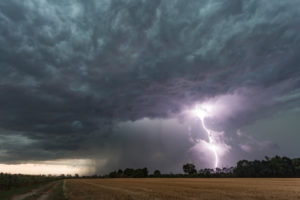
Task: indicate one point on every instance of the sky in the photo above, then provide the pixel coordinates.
(93, 86)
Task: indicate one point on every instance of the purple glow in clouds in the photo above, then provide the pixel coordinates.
(217, 110)
(202, 112)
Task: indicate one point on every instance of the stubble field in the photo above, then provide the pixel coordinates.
(183, 188)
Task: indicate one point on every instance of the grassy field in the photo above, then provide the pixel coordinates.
(44, 191)
(177, 188)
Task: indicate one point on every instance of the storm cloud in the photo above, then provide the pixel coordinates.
(110, 79)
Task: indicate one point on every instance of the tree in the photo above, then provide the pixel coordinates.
(113, 174)
(128, 172)
(120, 173)
(141, 173)
(189, 168)
(296, 164)
(156, 173)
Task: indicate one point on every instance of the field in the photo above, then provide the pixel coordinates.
(45, 191)
(183, 188)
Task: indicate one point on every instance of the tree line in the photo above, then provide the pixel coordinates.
(129, 173)
(269, 167)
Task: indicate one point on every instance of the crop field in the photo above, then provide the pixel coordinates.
(183, 188)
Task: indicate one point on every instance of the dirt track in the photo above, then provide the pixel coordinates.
(41, 193)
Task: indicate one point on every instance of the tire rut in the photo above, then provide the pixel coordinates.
(41, 193)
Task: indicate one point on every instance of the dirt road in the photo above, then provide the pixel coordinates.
(41, 193)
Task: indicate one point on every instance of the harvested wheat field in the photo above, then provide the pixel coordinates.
(183, 188)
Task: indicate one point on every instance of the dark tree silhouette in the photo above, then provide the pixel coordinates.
(189, 168)
(269, 167)
(156, 173)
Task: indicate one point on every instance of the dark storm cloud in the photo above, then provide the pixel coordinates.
(71, 70)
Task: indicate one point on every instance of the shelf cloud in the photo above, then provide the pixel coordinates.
(110, 79)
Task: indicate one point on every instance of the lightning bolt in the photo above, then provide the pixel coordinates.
(202, 113)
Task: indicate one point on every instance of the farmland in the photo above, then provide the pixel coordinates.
(44, 191)
(14, 185)
(183, 188)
